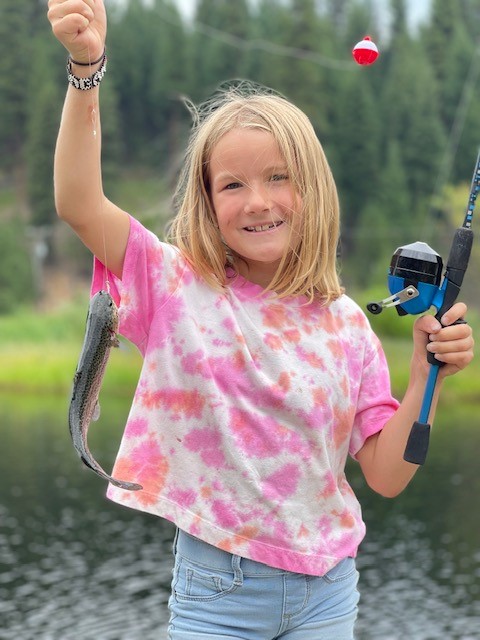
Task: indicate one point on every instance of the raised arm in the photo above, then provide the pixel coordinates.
(81, 26)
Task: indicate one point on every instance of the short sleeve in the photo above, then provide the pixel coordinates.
(150, 273)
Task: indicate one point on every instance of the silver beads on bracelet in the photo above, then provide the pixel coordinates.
(85, 84)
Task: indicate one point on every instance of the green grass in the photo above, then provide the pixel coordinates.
(49, 367)
(39, 353)
(462, 387)
(27, 327)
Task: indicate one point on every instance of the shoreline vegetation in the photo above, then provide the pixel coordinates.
(39, 352)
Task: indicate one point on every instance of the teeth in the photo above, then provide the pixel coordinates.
(264, 227)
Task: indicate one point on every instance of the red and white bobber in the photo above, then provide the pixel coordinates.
(365, 52)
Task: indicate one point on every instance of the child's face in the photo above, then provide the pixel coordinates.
(254, 201)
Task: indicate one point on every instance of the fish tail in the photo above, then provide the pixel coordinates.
(94, 466)
(124, 484)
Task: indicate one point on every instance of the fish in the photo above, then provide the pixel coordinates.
(100, 336)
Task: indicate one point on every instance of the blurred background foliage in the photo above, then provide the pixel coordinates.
(401, 136)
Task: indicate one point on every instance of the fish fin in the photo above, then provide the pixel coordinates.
(96, 412)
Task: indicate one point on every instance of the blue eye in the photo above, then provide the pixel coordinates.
(233, 185)
(277, 177)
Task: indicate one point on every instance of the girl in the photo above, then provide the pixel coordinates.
(260, 375)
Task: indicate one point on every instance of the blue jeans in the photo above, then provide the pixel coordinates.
(217, 595)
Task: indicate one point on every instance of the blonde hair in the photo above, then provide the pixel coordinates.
(309, 268)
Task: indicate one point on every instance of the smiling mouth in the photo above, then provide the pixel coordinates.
(264, 227)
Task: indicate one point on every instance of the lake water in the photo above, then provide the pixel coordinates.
(74, 566)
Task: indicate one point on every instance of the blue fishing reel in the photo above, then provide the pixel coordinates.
(415, 283)
(414, 280)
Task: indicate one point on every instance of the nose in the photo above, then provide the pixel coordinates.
(258, 200)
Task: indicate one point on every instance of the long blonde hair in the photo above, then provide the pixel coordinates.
(309, 268)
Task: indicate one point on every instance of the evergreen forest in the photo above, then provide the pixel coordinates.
(401, 135)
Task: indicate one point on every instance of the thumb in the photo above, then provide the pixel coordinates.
(422, 328)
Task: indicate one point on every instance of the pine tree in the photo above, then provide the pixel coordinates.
(131, 64)
(336, 12)
(459, 99)
(306, 80)
(361, 20)
(168, 81)
(355, 150)
(222, 28)
(398, 21)
(41, 132)
(423, 141)
(445, 15)
(16, 282)
(410, 115)
(265, 63)
(393, 197)
(15, 58)
(470, 11)
(112, 139)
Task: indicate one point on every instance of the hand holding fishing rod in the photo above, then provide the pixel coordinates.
(415, 282)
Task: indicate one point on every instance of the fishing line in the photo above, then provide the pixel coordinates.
(95, 122)
(260, 44)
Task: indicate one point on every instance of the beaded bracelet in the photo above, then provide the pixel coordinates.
(85, 84)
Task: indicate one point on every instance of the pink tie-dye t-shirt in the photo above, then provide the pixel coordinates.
(246, 409)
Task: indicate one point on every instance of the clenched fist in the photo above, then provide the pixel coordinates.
(81, 26)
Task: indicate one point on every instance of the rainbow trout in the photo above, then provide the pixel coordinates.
(100, 337)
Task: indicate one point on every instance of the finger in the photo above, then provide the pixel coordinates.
(456, 312)
(453, 332)
(427, 324)
(70, 26)
(456, 359)
(61, 8)
(454, 346)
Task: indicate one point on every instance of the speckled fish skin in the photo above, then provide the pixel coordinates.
(100, 337)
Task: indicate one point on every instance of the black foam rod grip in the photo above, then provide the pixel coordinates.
(460, 253)
(417, 444)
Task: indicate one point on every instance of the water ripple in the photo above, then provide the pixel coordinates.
(74, 566)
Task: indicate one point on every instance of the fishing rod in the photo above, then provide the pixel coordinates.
(415, 282)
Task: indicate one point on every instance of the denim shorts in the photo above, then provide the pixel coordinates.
(221, 596)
